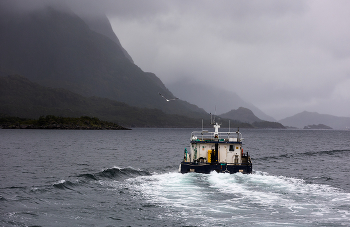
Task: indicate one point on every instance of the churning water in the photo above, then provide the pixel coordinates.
(130, 178)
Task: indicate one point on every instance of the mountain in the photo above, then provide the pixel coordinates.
(22, 98)
(57, 48)
(102, 26)
(247, 116)
(241, 114)
(211, 98)
(305, 118)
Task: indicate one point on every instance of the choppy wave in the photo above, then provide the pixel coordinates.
(234, 199)
(115, 173)
(63, 184)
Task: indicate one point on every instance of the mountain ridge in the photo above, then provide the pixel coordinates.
(306, 118)
(58, 49)
(245, 115)
(242, 114)
(19, 97)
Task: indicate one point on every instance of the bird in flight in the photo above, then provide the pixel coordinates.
(166, 98)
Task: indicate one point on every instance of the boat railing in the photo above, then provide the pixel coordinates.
(220, 136)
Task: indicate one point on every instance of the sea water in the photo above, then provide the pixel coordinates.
(130, 178)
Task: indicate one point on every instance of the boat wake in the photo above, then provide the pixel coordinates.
(220, 198)
(217, 198)
(195, 199)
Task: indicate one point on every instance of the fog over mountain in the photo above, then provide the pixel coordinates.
(212, 98)
(56, 47)
(284, 57)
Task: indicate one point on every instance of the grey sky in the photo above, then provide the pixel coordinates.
(283, 56)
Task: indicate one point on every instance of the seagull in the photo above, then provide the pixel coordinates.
(166, 98)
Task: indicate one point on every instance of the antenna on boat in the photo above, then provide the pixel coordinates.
(238, 135)
(229, 126)
(212, 121)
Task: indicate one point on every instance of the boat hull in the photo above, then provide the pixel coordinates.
(187, 167)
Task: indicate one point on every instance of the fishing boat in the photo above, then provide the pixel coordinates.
(216, 151)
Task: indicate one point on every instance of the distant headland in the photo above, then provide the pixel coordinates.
(319, 126)
(54, 122)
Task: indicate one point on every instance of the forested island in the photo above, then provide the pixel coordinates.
(55, 122)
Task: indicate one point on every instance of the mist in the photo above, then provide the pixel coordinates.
(284, 57)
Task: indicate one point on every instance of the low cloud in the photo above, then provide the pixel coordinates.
(283, 56)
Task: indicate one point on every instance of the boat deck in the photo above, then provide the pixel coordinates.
(205, 136)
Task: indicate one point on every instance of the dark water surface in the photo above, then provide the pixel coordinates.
(130, 178)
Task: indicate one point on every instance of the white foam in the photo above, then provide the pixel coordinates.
(60, 182)
(172, 188)
(237, 196)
